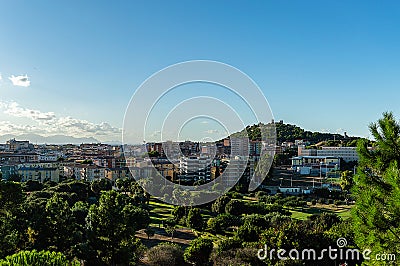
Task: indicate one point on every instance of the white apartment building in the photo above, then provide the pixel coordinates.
(195, 167)
(348, 154)
(84, 171)
(239, 146)
(239, 166)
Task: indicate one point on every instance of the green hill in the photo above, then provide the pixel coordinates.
(289, 133)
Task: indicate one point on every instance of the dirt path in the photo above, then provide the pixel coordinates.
(182, 236)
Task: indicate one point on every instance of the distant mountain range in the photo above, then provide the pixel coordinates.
(55, 139)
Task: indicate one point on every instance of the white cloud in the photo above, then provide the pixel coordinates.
(22, 81)
(7, 127)
(212, 131)
(16, 110)
(1, 77)
(47, 123)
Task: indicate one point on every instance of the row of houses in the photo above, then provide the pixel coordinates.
(52, 171)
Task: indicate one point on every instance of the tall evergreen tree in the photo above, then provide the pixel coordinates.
(377, 190)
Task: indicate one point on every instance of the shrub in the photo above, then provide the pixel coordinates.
(34, 257)
(199, 251)
(261, 194)
(235, 207)
(219, 205)
(165, 254)
(194, 219)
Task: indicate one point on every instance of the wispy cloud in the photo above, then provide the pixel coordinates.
(16, 110)
(212, 131)
(22, 81)
(47, 123)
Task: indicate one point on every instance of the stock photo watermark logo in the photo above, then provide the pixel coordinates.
(339, 252)
(147, 126)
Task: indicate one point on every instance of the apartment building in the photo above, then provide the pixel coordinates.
(39, 173)
(305, 165)
(348, 154)
(84, 171)
(116, 173)
(239, 146)
(195, 168)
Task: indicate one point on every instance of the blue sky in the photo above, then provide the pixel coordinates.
(323, 65)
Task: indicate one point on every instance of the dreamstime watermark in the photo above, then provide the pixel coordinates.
(145, 122)
(332, 253)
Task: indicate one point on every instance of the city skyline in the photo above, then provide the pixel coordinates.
(71, 68)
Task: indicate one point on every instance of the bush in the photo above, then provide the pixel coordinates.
(194, 219)
(199, 251)
(219, 205)
(178, 213)
(165, 254)
(313, 202)
(228, 244)
(235, 207)
(222, 222)
(248, 233)
(235, 195)
(261, 194)
(34, 257)
(296, 203)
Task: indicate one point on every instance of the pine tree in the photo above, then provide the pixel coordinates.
(377, 190)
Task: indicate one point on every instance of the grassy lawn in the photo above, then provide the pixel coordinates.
(302, 214)
(159, 212)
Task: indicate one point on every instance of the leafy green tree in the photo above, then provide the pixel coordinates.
(100, 185)
(112, 225)
(149, 232)
(11, 235)
(199, 251)
(79, 212)
(31, 185)
(235, 207)
(80, 188)
(377, 189)
(15, 178)
(11, 196)
(170, 227)
(222, 222)
(33, 258)
(219, 205)
(179, 214)
(322, 222)
(11, 227)
(346, 180)
(195, 219)
(61, 225)
(248, 233)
